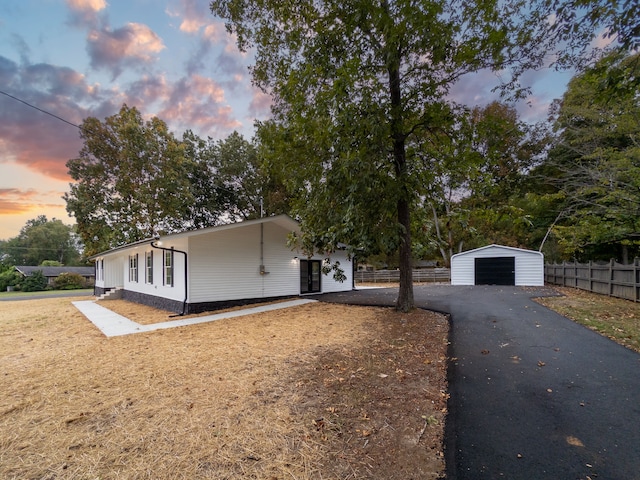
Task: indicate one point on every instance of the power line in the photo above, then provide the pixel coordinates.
(40, 110)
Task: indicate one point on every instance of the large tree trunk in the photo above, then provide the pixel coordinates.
(405, 293)
(405, 301)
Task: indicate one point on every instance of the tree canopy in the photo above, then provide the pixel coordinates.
(595, 162)
(134, 179)
(477, 168)
(41, 240)
(130, 181)
(575, 22)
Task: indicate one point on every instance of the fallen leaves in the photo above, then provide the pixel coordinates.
(573, 441)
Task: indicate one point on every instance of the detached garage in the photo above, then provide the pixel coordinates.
(498, 265)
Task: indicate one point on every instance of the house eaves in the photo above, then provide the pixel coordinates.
(284, 221)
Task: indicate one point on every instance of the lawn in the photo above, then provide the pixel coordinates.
(615, 318)
(44, 293)
(313, 392)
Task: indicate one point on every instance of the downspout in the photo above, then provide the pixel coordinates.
(263, 270)
(354, 267)
(186, 289)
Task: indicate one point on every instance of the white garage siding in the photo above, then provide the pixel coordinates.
(329, 284)
(529, 265)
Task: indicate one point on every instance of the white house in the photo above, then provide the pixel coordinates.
(216, 267)
(498, 265)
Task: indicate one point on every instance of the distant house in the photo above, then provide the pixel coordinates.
(218, 266)
(52, 273)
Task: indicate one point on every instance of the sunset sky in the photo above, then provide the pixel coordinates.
(168, 58)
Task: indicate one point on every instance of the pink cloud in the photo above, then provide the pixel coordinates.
(194, 14)
(14, 201)
(87, 5)
(215, 33)
(603, 40)
(147, 91)
(128, 46)
(475, 89)
(260, 105)
(533, 109)
(198, 103)
(43, 144)
(85, 12)
(194, 102)
(31, 138)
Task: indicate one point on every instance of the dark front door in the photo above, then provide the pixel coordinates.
(495, 271)
(310, 276)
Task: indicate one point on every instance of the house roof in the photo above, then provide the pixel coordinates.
(27, 270)
(284, 221)
(504, 247)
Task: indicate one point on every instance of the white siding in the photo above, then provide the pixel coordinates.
(530, 269)
(529, 265)
(157, 288)
(112, 275)
(116, 271)
(328, 283)
(225, 265)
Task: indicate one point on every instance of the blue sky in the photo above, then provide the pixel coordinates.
(168, 58)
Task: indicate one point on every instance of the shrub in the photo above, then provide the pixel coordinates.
(69, 281)
(36, 282)
(9, 278)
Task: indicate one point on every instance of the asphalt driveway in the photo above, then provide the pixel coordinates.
(533, 394)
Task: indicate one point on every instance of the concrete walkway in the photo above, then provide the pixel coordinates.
(114, 325)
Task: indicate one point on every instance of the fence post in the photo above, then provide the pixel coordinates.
(611, 270)
(636, 280)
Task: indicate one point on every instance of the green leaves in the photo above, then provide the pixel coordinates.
(40, 240)
(134, 179)
(597, 160)
(131, 181)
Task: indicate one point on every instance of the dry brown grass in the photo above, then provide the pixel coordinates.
(145, 315)
(312, 392)
(612, 317)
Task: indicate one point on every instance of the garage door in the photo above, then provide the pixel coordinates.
(495, 271)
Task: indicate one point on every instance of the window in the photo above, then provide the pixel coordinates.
(149, 267)
(100, 270)
(168, 268)
(133, 268)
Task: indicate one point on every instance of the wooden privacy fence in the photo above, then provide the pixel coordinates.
(614, 279)
(422, 275)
